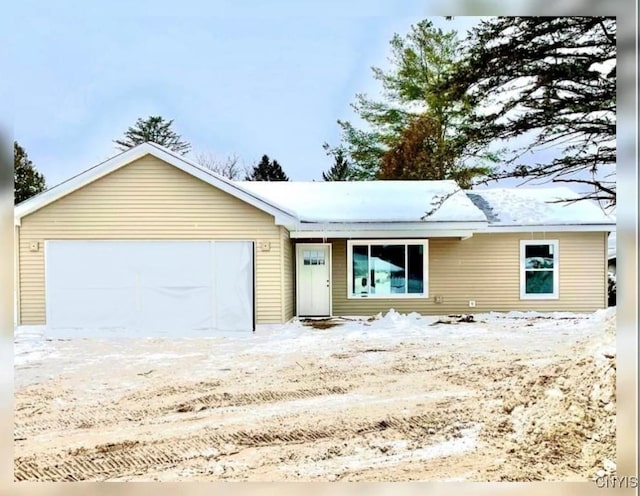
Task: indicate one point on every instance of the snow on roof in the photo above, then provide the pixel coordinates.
(369, 201)
(534, 206)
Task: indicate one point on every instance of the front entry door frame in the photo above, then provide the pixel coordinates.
(300, 247)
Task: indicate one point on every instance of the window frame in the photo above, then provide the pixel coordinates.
(315, 257)
(406, 242)
(556, 270)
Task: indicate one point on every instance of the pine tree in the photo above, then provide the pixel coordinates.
(340, 170)
(412, 88)
(553, 81)
(156, 130)
(267, 170)
(27, 180)
(420, 154)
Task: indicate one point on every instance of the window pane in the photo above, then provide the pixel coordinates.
(360, 269)
(321, 258)
(538, 256)
(387, 269)
(539, 282)
(306, 257)
(416, 268)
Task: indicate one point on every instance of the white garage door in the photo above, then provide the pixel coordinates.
(152, 287)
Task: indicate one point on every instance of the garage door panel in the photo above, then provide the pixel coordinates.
(234, 285)
(149, 285)
(76, 308)
(175, 308)
(69, 263)
(173, 264)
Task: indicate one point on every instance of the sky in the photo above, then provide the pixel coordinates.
(234, 80)
(237, 78)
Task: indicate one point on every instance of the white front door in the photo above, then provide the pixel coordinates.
(314, 279)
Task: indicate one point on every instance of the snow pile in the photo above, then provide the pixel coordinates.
(398, 321)
(535, 206)
(388, 329)
(369, 201)
(566, 413)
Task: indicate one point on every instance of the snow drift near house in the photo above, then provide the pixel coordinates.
(369, 201)
(535, 206)
(34, 344)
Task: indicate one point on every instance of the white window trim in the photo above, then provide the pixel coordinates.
(556, 270)
(406, 296)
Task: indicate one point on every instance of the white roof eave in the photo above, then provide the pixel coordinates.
(385, 230)
(594, 227)
(389, 225)
(431, 229)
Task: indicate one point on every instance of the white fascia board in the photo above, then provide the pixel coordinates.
(549, 228)
(125, 158)
(306, 230)
(390, 226)
(382, 234)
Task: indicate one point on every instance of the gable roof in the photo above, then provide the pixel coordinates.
(404, 207)
(371, 201)
(70, 185)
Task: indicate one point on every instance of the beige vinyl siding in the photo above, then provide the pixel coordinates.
(150, 199)
(16, 275)
(288, 293)
(486, 268)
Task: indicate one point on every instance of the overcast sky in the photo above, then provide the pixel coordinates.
(235, 81)
(247, 79)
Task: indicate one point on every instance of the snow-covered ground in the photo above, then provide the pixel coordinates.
(33, 345)
(391, 397)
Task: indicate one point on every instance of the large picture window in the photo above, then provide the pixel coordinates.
(387, 269)
(539, 270)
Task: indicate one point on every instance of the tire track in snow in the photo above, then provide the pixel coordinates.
(102, 416)
(110, 460)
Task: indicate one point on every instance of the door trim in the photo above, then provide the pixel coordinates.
(299, 247)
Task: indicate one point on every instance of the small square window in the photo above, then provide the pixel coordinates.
(314, 257)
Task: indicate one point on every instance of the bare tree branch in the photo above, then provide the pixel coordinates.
(229, 167)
